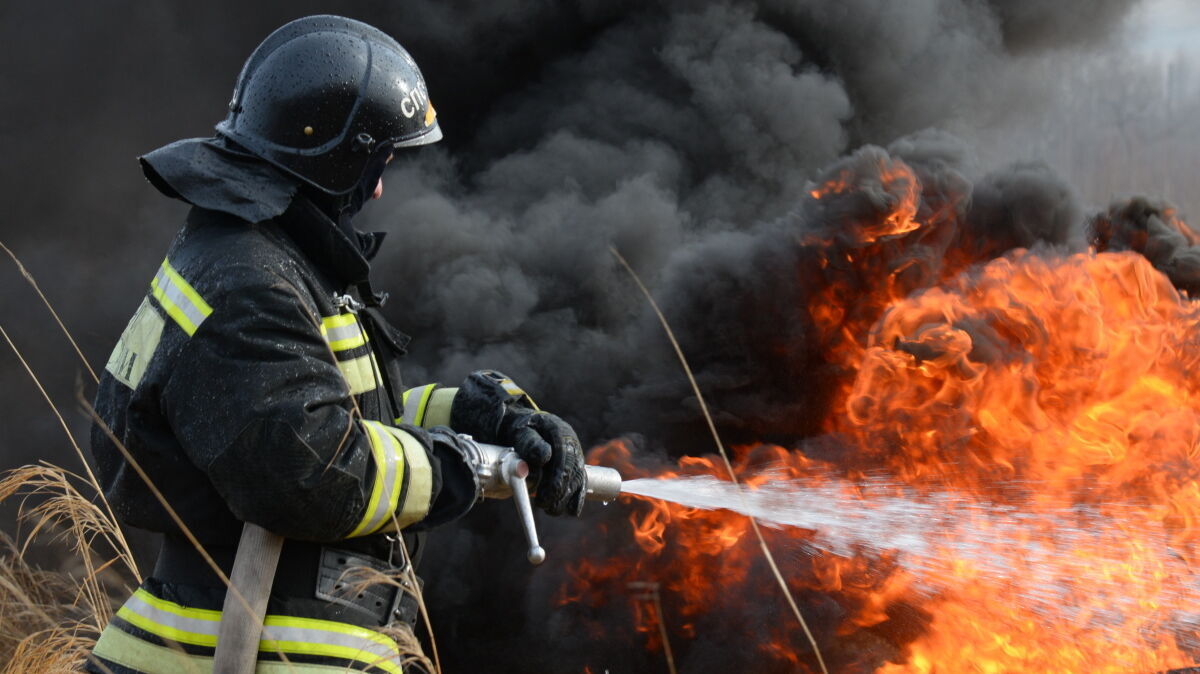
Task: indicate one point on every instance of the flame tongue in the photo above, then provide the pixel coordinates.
(1047, 405)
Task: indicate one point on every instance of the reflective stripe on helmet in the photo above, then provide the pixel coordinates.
(389, 475)
(286, 634)
(179, 299)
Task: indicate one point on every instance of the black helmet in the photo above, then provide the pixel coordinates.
(322, 94)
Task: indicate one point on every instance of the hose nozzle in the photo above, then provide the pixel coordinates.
(502, 474)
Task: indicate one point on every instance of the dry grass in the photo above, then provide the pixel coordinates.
(359, 578)
(49, 620)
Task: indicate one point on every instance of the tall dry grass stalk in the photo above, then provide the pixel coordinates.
(712, 428)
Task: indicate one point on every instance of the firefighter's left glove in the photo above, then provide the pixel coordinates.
(561, 481)
(490, 407)
(456, 486)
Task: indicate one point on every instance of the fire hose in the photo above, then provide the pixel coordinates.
(501, 474)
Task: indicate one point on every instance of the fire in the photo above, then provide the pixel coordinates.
(899, 194)
(1051, 401)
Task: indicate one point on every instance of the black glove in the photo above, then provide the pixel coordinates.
(491, 408)
(561, 481)
(455, 487)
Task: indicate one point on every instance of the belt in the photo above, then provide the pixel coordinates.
(312, 580)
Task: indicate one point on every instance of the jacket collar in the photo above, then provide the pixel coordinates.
(327, 245)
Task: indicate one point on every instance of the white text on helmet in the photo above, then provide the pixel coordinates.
(413, 101)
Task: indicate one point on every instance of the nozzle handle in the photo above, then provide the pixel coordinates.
(514, 472)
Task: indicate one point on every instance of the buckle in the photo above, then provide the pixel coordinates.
(406, 607)
(374, 604)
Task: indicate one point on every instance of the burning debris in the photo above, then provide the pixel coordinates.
(1007, 476)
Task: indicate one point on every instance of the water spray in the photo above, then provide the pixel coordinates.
(502, 475)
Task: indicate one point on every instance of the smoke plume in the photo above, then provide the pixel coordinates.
(689, 136)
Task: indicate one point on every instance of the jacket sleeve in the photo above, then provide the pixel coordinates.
(258, 403)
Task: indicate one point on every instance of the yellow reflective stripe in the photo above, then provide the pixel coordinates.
(380, 455)
(179, 299)
(361, 374)
(330, 626)
(168, 619)
(414, 401)
(116, 645)
(178, 609)
(132, 355)
(425, 395)
(311, 636)
(403, 402)
(418, 497)
(389, 476)
(437, 412)
(129, 651)
(166, 631)
(387, 664)
(338, 321)
(343, 332)
(280, 633)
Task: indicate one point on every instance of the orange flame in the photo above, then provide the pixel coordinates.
(1066, 389)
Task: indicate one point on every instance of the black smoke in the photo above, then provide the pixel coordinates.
(687, 135)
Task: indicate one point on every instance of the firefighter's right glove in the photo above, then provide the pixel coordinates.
(490, 407)
(456, 485)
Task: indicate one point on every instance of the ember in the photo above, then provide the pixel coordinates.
(1008, 479)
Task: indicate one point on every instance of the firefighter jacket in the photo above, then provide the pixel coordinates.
(254, 384)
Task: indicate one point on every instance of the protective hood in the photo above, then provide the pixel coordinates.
(216, 174)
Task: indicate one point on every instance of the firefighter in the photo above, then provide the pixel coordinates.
(258, 380)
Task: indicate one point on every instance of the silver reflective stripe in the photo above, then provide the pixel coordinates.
(388, 455)
(142, 656)
(344, 332)
(280, 633)
(413, 400)
(174, 620)
(178, 297)
(419, 495)
(373, 651)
